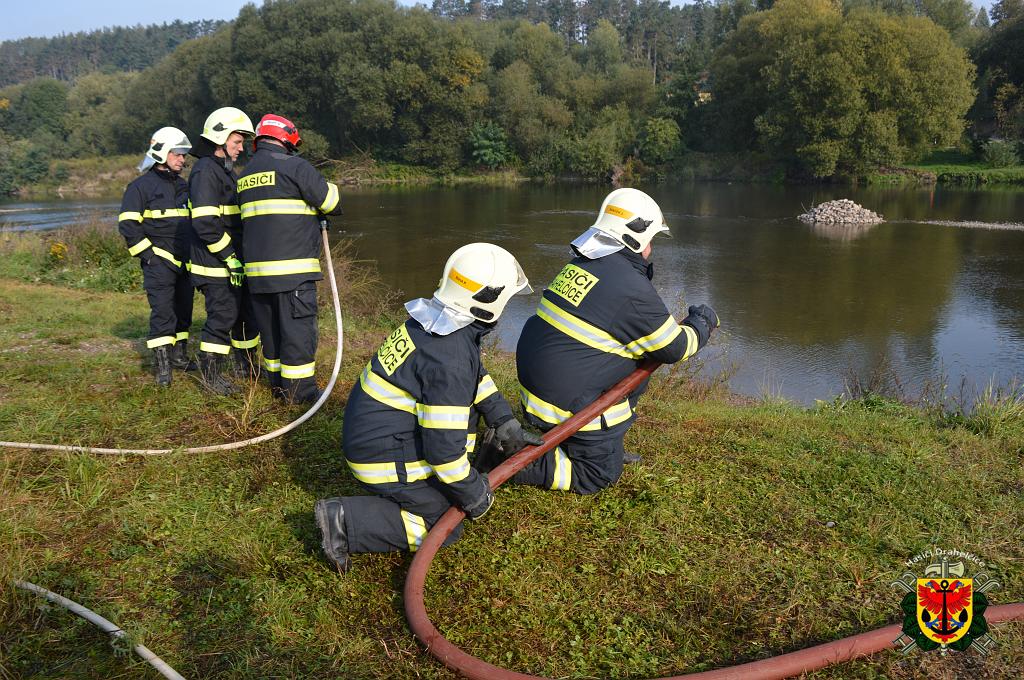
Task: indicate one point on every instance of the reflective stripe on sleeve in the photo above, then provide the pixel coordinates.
(455, 471)
(163, 214)
(160, 342)
(206, 211)
(216, 272)
(374, 473)
(230, 210)
(415, 529)
(331, 202)
(221, 244)
(283, 267)
(272, 365)
(298, 372)
(471, 442)
(417, 470)
(166, 255)
(276, 206)
(386, 393)
(662, 337)
(443, 417)
(139, 247)
(562, 480)
(130, 216)
(692, 341)
(245, 344)
(580, 330)
(214, 347)
(485, 389)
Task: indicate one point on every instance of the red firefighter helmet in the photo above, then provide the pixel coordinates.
(280, 128)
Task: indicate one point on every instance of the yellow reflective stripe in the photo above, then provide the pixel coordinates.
(221, 244)
(562, 480)
(214, 347)
(160, 342)
(130, 215)
(272, 365)
(485, 389)
(139, 247)
(206, 211)
(219, 272)
(282, 267)
(161, 214)
(245, 344)
(692, 341)
(662, 337)
(166, 255)
(417, 470)
(374, 473)
(299, 371)
(276, 206)
(580, 330)
(415, 529)
(229, 210)
(554, 415)
(442, 417)
(471, 442)
(455, 471)
(332, 198)
(385, 392)
(183, 335)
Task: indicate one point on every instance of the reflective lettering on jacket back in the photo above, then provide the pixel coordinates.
(573, 284)
(395, 350)
(259, 179)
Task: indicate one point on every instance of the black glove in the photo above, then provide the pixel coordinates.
(512, 437)
(483, 503)
(707, 313)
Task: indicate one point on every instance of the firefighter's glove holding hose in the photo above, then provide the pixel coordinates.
(707, 313)
(483, 503)
(235, 269)
(512, 437)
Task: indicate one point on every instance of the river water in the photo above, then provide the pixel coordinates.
(933, 296)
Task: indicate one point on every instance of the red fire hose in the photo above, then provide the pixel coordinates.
(782, 666)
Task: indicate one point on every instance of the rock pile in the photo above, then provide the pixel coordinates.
(843, 211)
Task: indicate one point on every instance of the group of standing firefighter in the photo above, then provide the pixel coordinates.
(411, 419)
(249, 243)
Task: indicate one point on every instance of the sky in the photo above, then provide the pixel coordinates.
(45, 18)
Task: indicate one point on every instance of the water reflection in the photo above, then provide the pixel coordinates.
(802, 306)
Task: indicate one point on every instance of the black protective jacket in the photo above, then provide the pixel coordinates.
(154, 217)
(595, 322)
(281, 198)
(415, 410)
(216, 225)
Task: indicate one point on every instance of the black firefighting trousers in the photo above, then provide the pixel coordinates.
(169, 291)
(584, 463)
(228, 319)
(287, 326)
(397, 518)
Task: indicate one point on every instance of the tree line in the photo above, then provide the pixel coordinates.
(554, 87)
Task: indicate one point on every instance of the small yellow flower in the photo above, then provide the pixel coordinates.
(58, 251)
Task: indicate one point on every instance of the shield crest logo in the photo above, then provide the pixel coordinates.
(945, 608)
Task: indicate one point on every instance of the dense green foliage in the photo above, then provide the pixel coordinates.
(548, 88)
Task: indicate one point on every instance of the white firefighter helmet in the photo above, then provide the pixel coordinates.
(221, 123)
(629, 218)
(165, 140)
(479, 279)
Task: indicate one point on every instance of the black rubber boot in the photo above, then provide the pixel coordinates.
(180, 359)
(330, 519)
(245, 365)
(210, 367)
(162, 365)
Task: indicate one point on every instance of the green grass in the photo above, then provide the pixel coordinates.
(715, 550)
(955, 167)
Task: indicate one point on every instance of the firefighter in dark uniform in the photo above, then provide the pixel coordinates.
(216, 252)
(154, 222)
(282, 198)
(596, 321)
(411, 420)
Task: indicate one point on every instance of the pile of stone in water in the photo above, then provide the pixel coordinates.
(843, 211)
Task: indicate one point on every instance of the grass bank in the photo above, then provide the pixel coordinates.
(747, 531)
(951, 167)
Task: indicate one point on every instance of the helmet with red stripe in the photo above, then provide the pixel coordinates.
(279, 128)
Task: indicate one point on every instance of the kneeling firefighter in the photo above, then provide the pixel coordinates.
(596, 321)
(154, 221)
(411, 420)
(282, 197)
(216, 251)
